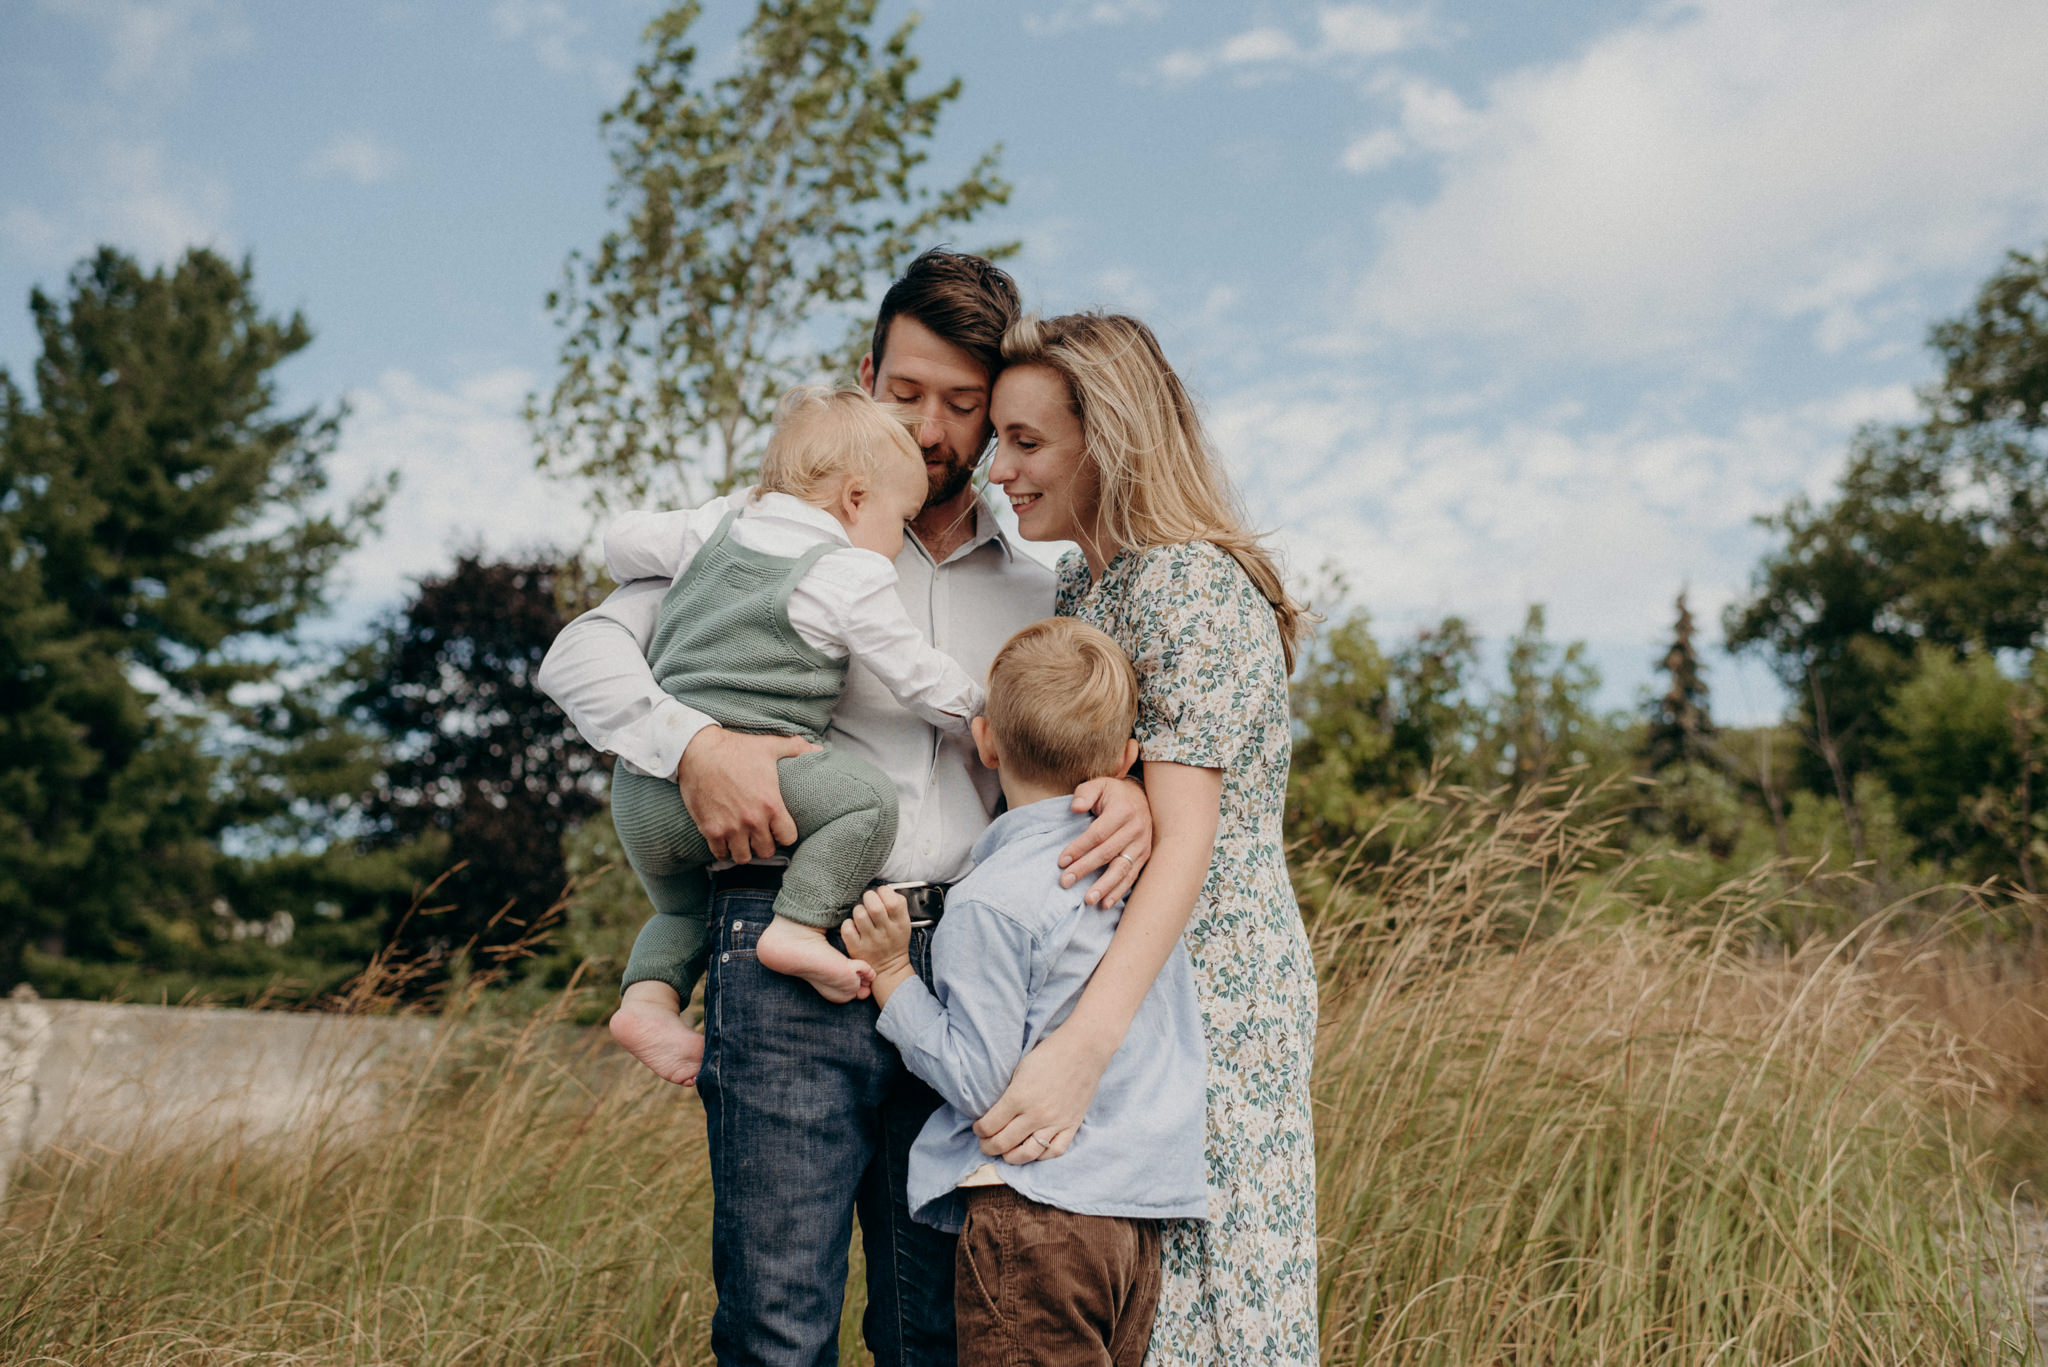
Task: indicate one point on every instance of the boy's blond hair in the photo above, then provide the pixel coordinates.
(1062, 700)
(825, 436)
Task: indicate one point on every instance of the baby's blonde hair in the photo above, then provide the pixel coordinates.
(825, 436)
(1062, 700)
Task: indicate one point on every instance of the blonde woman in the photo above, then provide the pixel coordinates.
(1099, 443)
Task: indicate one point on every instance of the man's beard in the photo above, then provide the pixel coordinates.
(947, 484)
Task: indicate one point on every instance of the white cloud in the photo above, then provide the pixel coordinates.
(556, 35)
(1258, 45)
(120, 185)
(1722, 160)
(360, 157)
(1429, 514)
(133, 197)
(466, 474)
(1430, 119)
(1343, 33)
(1369, 31)
(1374, 150)
(157, 47)
(1091, 14)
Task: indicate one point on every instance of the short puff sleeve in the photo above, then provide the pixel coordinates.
(1207, 651)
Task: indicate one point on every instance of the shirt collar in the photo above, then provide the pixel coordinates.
(1046, 815)
(987, 527)
(790, 508)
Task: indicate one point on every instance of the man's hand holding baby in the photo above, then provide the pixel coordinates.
(878, 932)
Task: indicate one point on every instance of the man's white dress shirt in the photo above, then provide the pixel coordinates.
(967, 606)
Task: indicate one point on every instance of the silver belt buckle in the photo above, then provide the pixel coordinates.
(917, 894)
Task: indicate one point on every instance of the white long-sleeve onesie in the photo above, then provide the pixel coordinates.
(845, 606)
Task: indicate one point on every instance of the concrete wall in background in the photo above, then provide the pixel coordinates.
(118, 1077)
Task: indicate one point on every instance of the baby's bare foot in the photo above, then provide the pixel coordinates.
(801, 952)
(659, 1039)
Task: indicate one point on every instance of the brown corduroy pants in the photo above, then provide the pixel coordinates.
(1040, 1287)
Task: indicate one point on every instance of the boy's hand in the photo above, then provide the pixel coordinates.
(879, 932)
(1118, 841)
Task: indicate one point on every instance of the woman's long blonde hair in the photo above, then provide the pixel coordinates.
(1161, 480)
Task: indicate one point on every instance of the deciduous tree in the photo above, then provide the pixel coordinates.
(485, 770)
(1937, 535)
(759, 207)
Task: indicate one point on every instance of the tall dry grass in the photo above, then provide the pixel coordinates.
(1557, 1125)
(525, 1200)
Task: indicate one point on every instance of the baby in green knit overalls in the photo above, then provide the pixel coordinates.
(782, 587)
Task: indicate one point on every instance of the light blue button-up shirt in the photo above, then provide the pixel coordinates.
(1009, 960)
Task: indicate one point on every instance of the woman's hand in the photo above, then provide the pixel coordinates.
(1041, 1110)
(1118, 841)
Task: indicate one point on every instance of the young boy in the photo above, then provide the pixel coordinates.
(771, 601)
(1058, 1260)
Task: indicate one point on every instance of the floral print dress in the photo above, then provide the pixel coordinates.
(1241, 1287)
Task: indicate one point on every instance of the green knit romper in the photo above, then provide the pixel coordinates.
(724, 645)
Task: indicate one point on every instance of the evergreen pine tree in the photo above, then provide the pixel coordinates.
(1681, 729)
(158, 551)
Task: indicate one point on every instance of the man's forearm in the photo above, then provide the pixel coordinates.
(597, 672)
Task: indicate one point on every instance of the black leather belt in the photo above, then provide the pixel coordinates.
(755, 877)
(927, 900)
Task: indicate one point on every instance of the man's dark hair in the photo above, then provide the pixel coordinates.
(966, 300)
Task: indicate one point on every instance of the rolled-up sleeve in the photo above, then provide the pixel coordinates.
(965, 1036)
(597, 672)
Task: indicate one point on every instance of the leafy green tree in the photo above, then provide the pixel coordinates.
(1441, 717)
(1960, 756)
(759, 206)
(1937, 535)
(43, 753)
(484, 769)
(163, 550)
(1371, 728)
(1695, 799)
(1544, 719)
(1344, 761)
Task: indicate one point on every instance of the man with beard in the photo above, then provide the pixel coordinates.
(810, 1114)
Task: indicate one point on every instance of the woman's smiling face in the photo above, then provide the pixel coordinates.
(1040, 460)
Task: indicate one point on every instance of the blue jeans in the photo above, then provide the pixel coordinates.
(811, 1115)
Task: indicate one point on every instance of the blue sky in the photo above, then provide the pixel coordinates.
(1489, 304)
